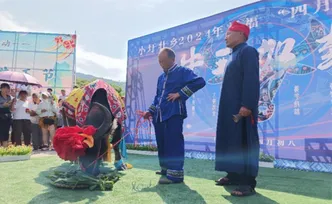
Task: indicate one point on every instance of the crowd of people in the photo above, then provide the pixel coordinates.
(36, 117)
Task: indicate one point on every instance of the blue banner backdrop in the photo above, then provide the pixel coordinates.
(294, 39)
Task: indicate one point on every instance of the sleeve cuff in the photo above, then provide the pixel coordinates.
(152, 109)
(186, 92)
(245, 106)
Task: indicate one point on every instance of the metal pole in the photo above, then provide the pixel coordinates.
(74, 64)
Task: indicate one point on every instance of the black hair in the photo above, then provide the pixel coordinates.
(22, 92)
(35, 94)
(49, 89)
(4, 85)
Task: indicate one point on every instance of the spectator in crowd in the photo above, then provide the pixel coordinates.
(53, 96)
(12, 92)
(21, 119)
(59, 115)
(12, 140)
(35, 128)
(5, 114)
(63, 95)
(47, 112)
(13, 95)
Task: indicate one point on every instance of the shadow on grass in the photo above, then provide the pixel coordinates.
(257, 198)
(182, 191)
(311, 184)
(60, 195)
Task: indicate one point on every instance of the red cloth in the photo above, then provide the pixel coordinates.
(69, 144)
(114, 100)
(236, 26)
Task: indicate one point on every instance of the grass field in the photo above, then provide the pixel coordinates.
(26, 182)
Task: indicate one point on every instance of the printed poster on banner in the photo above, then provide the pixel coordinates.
(294, 41)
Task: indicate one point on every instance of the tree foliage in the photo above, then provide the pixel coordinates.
(82, 82)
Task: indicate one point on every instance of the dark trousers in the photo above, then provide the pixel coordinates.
(19, 127)
(5, 124)
(170, 142)
(242, 179)
(36, 135)
(12, 139)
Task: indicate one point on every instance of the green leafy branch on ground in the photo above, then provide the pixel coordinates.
(80, 180)
(262, 157)
(15, 150)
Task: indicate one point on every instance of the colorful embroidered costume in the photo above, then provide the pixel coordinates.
(76, 106)
(93, 117)
(168, 118)
(77, 103)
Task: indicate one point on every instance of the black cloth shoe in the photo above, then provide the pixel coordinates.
(162, 172)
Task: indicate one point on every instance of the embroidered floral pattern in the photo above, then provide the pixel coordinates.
(175, 173)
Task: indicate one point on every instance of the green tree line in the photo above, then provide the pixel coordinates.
(82, 82)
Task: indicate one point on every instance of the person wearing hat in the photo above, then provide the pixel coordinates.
(36, 132)
(47, 111)
(237, 142)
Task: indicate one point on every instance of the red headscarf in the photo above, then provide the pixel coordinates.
(240, 28)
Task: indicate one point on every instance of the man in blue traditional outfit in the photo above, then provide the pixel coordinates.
(237, 142)
(168, 111)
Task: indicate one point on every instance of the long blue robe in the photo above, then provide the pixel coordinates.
(237, 144)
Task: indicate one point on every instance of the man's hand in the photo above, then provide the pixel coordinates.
(147, 115)
(173, 97)
(244, 112)
(32, 113)
(6, 105)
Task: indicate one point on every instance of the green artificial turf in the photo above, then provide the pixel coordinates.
(26, 182)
